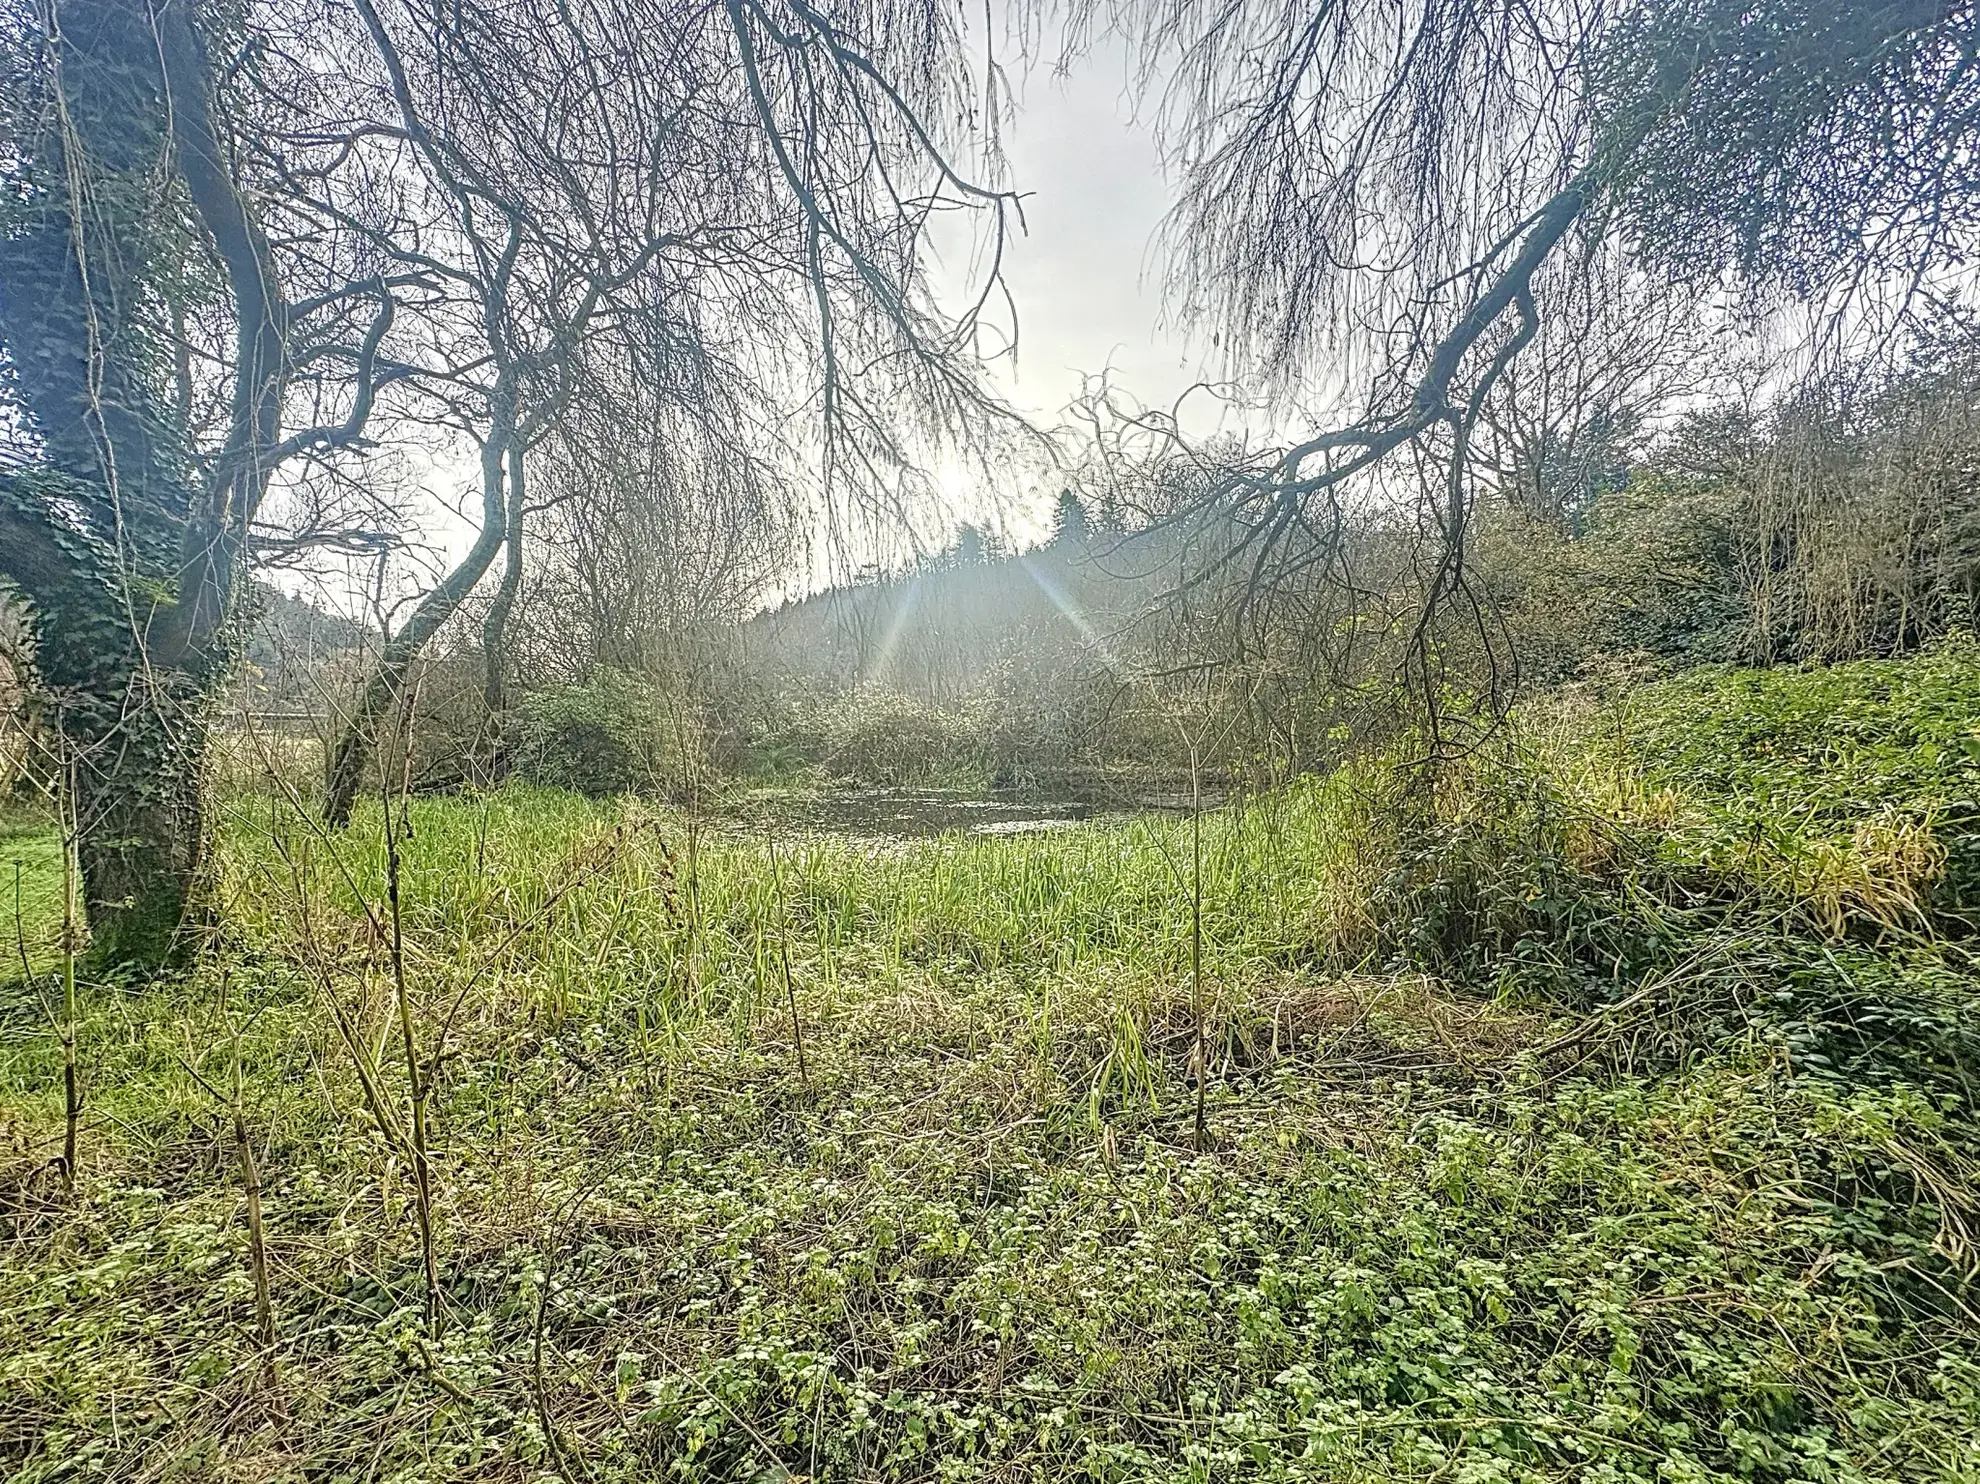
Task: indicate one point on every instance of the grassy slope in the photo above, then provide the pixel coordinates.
(1605, 1118)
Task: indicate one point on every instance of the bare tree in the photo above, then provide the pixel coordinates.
(1374, 200)
(655, 519)
(1616, 355)
(731, 196)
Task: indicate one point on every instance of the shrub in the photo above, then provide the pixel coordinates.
(896, 740)
(596, 737)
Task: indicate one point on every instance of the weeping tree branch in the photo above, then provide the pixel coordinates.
(1351, 171)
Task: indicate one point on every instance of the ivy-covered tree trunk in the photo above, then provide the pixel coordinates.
(123, 547)
(128, 726)
(142, 837)
(87, 538)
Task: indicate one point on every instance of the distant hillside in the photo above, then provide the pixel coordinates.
(296, 649)
(942, 631)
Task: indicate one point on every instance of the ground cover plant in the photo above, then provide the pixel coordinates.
(1602, 1111)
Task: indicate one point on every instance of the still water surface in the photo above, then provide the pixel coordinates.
(916, 813)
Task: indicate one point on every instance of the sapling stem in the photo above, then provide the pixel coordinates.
(784, 960)
(1196, 941)
(415, 1079)
(71, 1071)
(264, 1308)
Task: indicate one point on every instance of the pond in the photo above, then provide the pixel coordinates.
(917, 813)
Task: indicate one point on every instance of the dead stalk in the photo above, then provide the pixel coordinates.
(416, 1088)
(691, 780)
(264, 1308)
(235, 1102)
(20, 938)
(784, 960)
(71, 1072)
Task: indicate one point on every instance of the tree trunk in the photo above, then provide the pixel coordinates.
(495, 627)
(387, 682)
(141, 838)
(125, 548)
(129, 722)
(360, 737)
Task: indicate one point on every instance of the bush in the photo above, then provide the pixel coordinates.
(597, 737)
(897, 740)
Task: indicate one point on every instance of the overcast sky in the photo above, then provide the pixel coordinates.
(1084, 274)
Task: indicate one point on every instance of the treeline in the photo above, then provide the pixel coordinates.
(1840, 522)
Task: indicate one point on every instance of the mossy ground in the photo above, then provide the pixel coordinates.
(1604, 1115)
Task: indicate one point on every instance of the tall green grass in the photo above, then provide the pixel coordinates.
(1567, 1125)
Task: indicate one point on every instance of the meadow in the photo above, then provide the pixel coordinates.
(1599, 1107)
